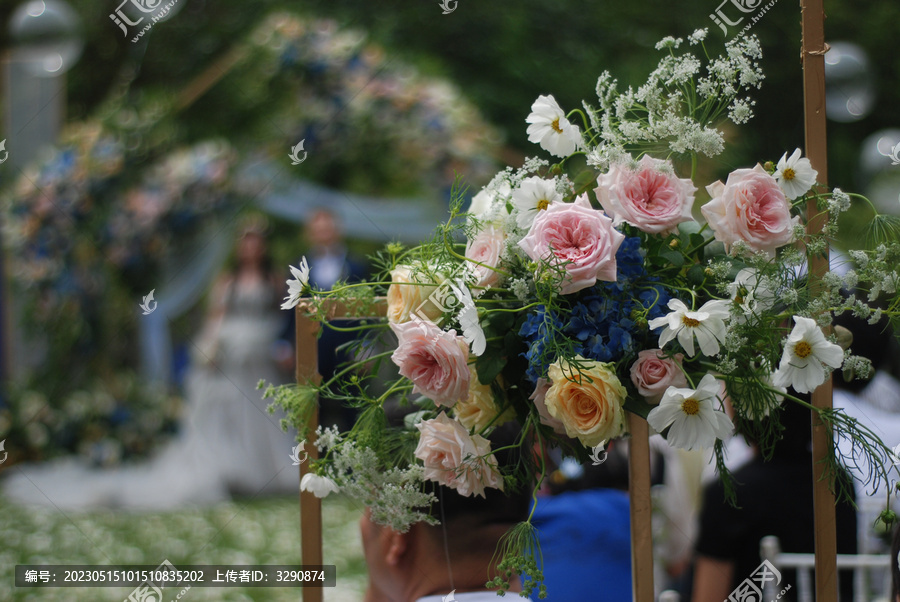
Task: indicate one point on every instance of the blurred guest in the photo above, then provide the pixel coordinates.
(328, 258)
(329, 262)
(428, 562)
(875, 404)
(774, 497)
(228, 443)
(586, 559)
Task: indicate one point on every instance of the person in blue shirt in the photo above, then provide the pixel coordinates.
(584, 530)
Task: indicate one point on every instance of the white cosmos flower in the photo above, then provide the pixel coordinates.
(805, 356)
(535, 194)
(296, 286)
(707, 324)
(795, 175)
(692, 415)
(550, 128)
(752, 293)
(472, 332)
(317, 485)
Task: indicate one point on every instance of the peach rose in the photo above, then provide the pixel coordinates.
(588, 403)
(456, 460)
(577, 236)
(434, 360)
(485, 248)
(751, 208)
(538, 397)
(651, 197)
(479, 409)
(652, 373)
(408, 294)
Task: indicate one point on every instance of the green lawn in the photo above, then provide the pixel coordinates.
(241, 532)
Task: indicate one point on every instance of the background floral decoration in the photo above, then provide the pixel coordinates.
(95, 220)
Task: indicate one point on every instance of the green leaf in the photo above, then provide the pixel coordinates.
(673, 257)
(585, 179)
(696, 274)
(512, 342)
(489, 365)
(499, 323)
(691, 228)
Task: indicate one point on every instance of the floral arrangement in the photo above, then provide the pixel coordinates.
(72, 217)
(93, 221)
(87, 238)
(105, 421)
(572, 293)
(371, 123)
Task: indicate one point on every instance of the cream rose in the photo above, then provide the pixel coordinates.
(652, 373)
(589, 403)
(454, 459)
(479, 409)
(407, 296)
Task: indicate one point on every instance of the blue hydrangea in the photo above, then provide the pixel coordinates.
(536, 331)
(600, 320)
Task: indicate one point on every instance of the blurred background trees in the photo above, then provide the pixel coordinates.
(502, 54)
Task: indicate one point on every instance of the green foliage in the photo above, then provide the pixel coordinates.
(298, 402)
(519, 555)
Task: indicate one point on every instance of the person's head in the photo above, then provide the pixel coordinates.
(795, 441)
(323, 229)
(406, 566)
(251, 250)
(611, 474)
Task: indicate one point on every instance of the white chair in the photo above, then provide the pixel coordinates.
(861, 564)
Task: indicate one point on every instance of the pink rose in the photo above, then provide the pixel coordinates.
(652, 373)
(485, 248)
(455, 459)
(578, 236)
(434, 360)
(750, 207)
(538, 397)
(651, 198)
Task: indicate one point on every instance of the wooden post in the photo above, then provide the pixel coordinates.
(641, 509)
(813, 58)
(307, 368)
(307, 372)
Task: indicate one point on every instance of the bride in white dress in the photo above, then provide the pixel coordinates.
(228, 443)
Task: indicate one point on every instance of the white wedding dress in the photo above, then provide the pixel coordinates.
(228, 442)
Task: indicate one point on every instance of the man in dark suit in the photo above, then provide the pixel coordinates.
(329, 262)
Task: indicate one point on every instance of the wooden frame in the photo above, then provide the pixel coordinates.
(813, 59)
(311, 507)
(813, 51)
